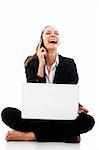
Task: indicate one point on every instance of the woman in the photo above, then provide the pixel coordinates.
(47, 66)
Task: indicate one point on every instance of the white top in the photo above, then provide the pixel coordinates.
(50, 77)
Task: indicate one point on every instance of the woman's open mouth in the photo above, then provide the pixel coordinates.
(52, 41)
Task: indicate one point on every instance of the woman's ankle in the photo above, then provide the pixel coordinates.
(30, 136)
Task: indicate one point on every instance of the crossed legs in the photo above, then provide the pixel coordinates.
(44, 130)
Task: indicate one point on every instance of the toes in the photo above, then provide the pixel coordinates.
(9, 135)
(78, 138)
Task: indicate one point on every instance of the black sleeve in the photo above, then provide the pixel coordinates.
(31, 73)
(72, 73)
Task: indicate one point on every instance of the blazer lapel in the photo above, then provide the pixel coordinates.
(58, 73)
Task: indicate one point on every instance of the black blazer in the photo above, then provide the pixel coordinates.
(66, 72)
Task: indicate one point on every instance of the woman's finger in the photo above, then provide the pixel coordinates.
(83, 108)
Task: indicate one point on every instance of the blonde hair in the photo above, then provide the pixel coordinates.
(29, 58)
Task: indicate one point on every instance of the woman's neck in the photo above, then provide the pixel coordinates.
(51, 57)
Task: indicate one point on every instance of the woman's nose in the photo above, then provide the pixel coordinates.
(52, 34)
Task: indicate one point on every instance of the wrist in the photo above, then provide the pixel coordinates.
(41, 65)
(40, 72)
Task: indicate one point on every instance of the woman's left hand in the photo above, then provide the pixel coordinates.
(82, 109)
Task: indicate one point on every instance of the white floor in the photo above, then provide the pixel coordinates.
(88, 141)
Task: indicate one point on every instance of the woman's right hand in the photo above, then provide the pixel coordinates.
(41, 53)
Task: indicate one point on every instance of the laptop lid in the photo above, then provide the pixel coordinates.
(49, 101)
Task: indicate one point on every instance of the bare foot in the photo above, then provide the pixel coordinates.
(20, 136)
(75, 139)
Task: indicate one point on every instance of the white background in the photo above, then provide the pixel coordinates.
(21, 23)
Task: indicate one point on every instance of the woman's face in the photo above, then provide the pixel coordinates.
(51, 38)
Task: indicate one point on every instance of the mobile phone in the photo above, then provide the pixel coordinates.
(42, 44)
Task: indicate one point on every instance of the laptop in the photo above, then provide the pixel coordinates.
(49, 101)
